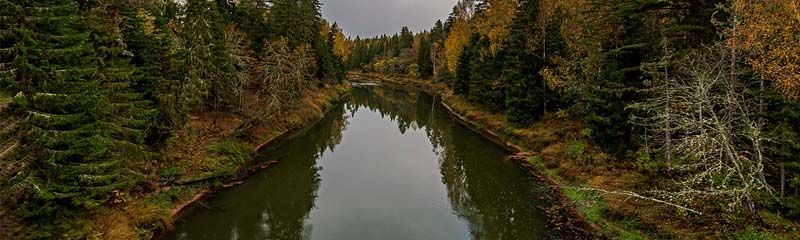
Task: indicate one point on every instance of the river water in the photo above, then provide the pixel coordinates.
(387, 163)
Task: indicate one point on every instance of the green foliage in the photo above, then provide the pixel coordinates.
(296, 20)
(330, 67)
(645, 162)
(525, 88)
(424, 63)
(463, 76)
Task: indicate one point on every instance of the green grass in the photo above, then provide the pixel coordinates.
(751, 234)
(229, 156)
(575, 149)
(590, 204)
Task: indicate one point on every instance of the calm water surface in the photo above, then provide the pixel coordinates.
(390, 163)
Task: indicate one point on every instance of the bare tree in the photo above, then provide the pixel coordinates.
(717, 140)
(282, 75)
(242, 61)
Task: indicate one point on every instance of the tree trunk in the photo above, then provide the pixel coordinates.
(783, 180)
(761, 99)
(668, 132)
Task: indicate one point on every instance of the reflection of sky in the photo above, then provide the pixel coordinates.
(403, 194)
(375, 17)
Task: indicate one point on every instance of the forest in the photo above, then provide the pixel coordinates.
(700, 97)
(113, 111)
(94, 91)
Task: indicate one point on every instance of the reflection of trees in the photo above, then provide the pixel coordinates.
(496, 198)
(284, 213)
(274, 204)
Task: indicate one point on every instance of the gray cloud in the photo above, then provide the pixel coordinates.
(368, 18)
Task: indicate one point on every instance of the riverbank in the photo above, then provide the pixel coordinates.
(557, 149)
(208, 154)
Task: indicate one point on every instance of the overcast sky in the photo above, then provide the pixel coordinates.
(369, 18)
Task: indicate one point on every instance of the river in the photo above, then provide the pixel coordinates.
(387, 163)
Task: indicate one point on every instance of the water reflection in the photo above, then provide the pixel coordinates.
(387, 164)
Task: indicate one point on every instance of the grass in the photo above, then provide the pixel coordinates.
(590, 204)
(751, 234)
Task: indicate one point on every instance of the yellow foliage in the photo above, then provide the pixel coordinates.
(495, 21)
(456, 40)
(770, 32)
(340, 46)
(148, 22)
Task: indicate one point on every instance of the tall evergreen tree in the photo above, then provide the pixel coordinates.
(524, 84)
(296, 20)
(460, 84)
(69, 140)
(424, 63)
(129, 115)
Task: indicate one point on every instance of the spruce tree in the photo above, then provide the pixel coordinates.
(129, 115)
(148, 38)
(460, 84)
(524, 85)
(424, 64)
(8, 14)
(66, 106)
(296, 20)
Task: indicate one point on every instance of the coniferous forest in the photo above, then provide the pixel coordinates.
(93, 91)
(674, 119)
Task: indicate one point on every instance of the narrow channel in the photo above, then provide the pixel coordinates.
(388, 163)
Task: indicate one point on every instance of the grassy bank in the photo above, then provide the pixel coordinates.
(207, 154)
(558, 147)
